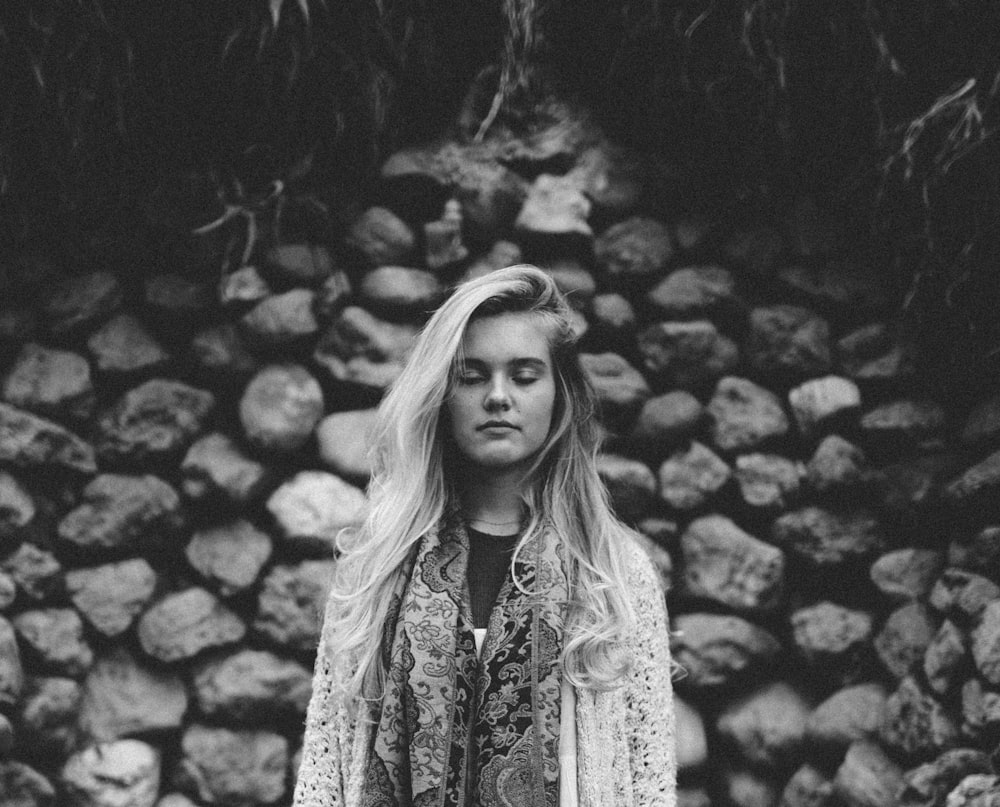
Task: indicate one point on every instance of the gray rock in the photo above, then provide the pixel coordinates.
(443, 245)
(836, 465)
(963, 594)
(175, 800)
(117, 511)
(381, 237)
(123, 773)
(79, 301)
(906, 574)
(768, 482)
(243, 285)
(978, 552)
(916, 724)
(281, 320)
(401, 290)
(123, 345)
(725, 564)
(821, 400)
(904, 638)
(361, 349)
(613, 314)
(215, 465)
(55, 636)
(634, 252)
(692, 742)
(177, 296)
(867, 777)
(986, 643)
(667, 420)
(345, 442)
(833, 639)
(848, 715)
(35, 571)
(612, 177)
(17, 507)
(111, 596)
(872, 354)
(23, 786)
(332, 296)
(621, 389)
(184, 623)
(34, 442)
(313, 506)
(718, 651)
(767, 726)
(11, 671)
(280, 407)
(689, 479)
(694, 292)
(980, 710)
(52, 383)
(233, 767)
(688, 355)
(903, 422)
(630, 483)
(807, 787)
(826, 538)
(292, 602)
(156, 420)
(299, 263)
(747, 787)
(47, 717)
(221, 355)
(554, 207)
(977, 790)
(979, 483)
(945, 657)
(123, 697)
(252, 686)
(744, 415)
(788, 341)
(982, 425)
(229, 555)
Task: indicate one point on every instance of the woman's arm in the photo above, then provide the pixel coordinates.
(649, 697)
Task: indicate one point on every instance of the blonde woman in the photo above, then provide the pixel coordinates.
(494, 635)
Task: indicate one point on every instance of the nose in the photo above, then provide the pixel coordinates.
(498, 395)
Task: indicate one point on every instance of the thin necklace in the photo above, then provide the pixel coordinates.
(494, 523)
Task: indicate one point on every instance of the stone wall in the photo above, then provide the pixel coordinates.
(177, 455)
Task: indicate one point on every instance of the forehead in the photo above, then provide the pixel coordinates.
(507, 337)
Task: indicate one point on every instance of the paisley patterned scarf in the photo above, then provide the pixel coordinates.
(454, 730)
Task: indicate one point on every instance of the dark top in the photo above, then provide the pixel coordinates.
(489, 566)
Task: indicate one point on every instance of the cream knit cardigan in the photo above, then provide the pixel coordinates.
(625, 755)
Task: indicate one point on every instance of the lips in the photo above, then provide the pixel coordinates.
(495, 424)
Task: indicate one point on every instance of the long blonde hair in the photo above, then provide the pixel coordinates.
(410, 492)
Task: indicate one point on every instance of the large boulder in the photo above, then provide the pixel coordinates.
(34, 442)
(252, 686)
(280, 408)
(121, 772)
(313, 506)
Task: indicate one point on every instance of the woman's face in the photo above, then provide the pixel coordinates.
(501, 400)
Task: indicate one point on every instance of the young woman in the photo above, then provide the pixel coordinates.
(494, 635)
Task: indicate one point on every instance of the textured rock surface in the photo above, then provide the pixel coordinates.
(125, 772)
(234, 767)
(184, 623)
(111, 596)
(230, 556)
(280, 407)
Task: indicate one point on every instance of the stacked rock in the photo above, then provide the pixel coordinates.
(177, 457)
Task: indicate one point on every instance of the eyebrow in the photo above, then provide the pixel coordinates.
(517, 363)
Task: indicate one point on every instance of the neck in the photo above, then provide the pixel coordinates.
(494, 500)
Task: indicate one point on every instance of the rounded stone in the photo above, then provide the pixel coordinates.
(687, 355)
(824, 537)
(78, 301)
(381, 237)
(571, 278)
(630, 483)
(243, 285)
(230, 555)
(807, 787)
(299, 263)
(612, 313)
(788, 341)
(156, 420)
(729, 566)
(634, 252)
(34, 442)
(233, 767)
(359, 348)
(904, 638)
(252, 686)
(110, 597)
(313, 506)
(123, 345)
(55, 636)
(945, 658)
(872, 354)
(835, 465)
(986, 643)
(221, 355)
(215, 465)
(848, 715)
(915, 724)
(962, 593)
(184, 623)
(744, 415)
(666, 420)
(694, 292)
(832, 638)
(345, 442)
(23, 786)
(554, 207)
(692, 742)
(903, 423)
(122, 772)
(53, 383)
(718, 651)
(621, 389)
(768, 482)
(907, 574)
(280, 407)
(17, 507)
(11, 670)
(291, 603)
(34, 571)
(401, 290)
(767, 726)
(867, 777)
(47, 721)
(280, 320)
(822, 400)
(689, 479)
